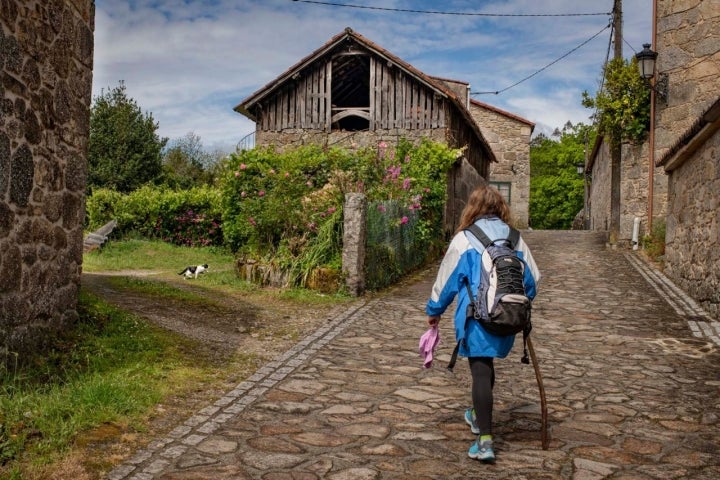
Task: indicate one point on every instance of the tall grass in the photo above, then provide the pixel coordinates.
(112, 367)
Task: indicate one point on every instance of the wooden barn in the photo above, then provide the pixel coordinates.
(354, 93)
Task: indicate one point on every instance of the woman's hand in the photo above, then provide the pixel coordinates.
(433, 320)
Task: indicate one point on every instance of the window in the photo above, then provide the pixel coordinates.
(503, 188)
(351, 92)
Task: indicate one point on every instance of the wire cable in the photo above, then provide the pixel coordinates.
(497, 92)
(438, 12)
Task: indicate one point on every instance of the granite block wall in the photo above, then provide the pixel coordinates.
(46, 60)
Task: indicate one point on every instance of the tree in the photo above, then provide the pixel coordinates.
(124, 150)
(187, 164)
(623, 105)
(556, 190)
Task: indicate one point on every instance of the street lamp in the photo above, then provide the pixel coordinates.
(580, 168)
(646, 66)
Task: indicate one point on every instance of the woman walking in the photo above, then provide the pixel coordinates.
(487, 209)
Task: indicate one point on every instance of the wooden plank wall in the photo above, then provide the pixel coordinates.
(397, 101)
(303, 103)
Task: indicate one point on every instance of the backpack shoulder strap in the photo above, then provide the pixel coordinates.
(513, 236)
(479, 234)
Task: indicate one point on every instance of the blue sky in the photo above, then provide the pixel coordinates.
(189, 62)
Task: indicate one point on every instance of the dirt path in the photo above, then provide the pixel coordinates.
(224, 324)
(236, 332)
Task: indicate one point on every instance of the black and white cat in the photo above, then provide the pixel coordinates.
(194, 270)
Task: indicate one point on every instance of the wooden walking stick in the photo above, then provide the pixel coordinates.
(543, 403)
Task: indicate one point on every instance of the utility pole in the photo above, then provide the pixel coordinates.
(615, 139)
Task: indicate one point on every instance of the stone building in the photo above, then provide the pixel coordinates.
(46, 59)
(509, 138)
(353, 92)
(688, 144)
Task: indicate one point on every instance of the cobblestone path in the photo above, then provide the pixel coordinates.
(631, 373)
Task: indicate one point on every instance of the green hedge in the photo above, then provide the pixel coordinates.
(189, 217)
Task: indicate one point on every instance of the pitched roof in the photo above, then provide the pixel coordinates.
(503, 112)
(706, 125)
(349, 35)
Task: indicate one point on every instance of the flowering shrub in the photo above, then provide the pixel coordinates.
(276, 204)
(272, 199)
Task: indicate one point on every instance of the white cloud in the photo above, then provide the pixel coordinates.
(191, 62)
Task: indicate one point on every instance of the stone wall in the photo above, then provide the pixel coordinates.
(599, 195)
(688, 45)
(509, 139)
(692, 253)
(46, 53)
(296, 137)
(633, 191)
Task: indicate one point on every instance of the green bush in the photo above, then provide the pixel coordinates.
(188, 217)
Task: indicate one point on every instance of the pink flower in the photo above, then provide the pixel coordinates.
(243, 194)
(312, 225)
(261, 193)
(287, 174)
(407, 158)
(237, 174)
(272, 171)
(382, 145)
(252, 221)
(381, 208)
(243, 166)
(403, 220)
(331, 210)
(406, 183)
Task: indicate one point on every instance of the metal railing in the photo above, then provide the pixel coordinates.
(246, 143)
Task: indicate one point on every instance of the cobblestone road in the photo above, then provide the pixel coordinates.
(631, 371)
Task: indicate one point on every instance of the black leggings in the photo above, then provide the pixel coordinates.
(483, 381)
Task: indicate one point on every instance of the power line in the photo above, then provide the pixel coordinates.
(496, 92)
(438, 12)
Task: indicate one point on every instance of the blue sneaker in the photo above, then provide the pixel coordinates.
(482, 450)
(470, 419)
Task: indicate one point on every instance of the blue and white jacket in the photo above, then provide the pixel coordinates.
(463, 260)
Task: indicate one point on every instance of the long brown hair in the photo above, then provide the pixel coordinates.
(484, 200)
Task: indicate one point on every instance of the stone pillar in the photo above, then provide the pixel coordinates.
(46, 55)
(354, 236)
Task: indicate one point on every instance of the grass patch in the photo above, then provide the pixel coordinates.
(112, 367)
(153, 255)
(167, 260)
(654, 244)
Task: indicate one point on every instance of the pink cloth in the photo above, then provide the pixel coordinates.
(428, 342)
